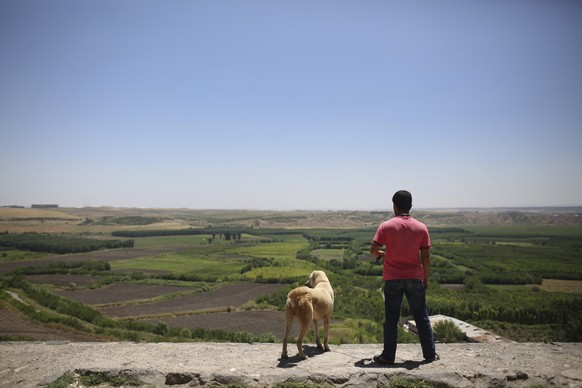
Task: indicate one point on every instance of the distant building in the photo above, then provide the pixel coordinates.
(45, 206)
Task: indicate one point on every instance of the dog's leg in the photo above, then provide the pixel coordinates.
(316, 331)
(325, 330)
(288, 323)
(304, 330)
(305, 319)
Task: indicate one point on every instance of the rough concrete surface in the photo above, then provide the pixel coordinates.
(29, 364)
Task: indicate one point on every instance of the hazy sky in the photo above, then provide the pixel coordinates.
(290, 104)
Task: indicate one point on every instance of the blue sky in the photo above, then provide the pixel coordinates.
(290, 104)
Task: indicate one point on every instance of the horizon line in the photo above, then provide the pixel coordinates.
(432, 208)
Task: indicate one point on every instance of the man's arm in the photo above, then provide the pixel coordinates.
(375, 251)
(425, 260)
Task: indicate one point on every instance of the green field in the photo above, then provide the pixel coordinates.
(17, 254)
(182, 264)
(169, 241)
(223, 261)
(329, 254)
(283, 250)
(522, 281)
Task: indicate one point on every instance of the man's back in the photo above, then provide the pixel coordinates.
(403, 237)
(406, 270)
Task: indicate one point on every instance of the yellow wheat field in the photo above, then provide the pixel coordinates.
(7, 213)
(554, 285)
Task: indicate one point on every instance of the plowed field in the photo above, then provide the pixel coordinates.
(13, 324)
(255, 322)
(120, 292)
(63, 280)
(231, 295)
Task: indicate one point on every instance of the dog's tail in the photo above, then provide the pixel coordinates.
(292, 305)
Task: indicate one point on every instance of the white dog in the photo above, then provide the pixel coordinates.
(309, 303)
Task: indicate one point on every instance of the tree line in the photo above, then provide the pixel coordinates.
(211, 230)
(59, 244)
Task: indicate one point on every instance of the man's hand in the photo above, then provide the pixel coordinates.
(425, 259)
(376, 252)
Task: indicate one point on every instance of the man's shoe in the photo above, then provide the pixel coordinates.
(432, 358)
(381, 360)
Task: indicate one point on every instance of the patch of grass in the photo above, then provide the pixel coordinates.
(92, 379)
(292, 384)
(403, 382)
(64, 381)
(235, 385)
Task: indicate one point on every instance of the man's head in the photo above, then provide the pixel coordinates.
(402, 200)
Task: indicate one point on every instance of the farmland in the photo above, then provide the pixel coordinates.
(224, 275)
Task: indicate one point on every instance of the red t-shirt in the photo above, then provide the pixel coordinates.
(403, 237)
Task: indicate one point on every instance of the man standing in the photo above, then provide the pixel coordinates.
(406, 267)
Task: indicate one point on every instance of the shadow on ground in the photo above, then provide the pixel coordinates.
(310, 351)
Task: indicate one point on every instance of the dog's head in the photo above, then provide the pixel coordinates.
(315, 278)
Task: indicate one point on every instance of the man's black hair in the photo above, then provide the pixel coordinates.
(403, 200)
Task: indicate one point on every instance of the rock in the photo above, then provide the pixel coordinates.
(501, 364)
(573, 374)
(490, 381)
(178, 378)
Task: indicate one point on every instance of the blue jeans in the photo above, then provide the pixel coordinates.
(416, 297)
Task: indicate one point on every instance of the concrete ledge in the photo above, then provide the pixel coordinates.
(29, 364)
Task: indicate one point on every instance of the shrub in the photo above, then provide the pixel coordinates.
(446, 331)
(267, 337)
(185, 333)
(131, 336)
(243, 337)
(161, 328)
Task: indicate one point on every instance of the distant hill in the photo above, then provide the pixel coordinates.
(106, 219)
(571, 216)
